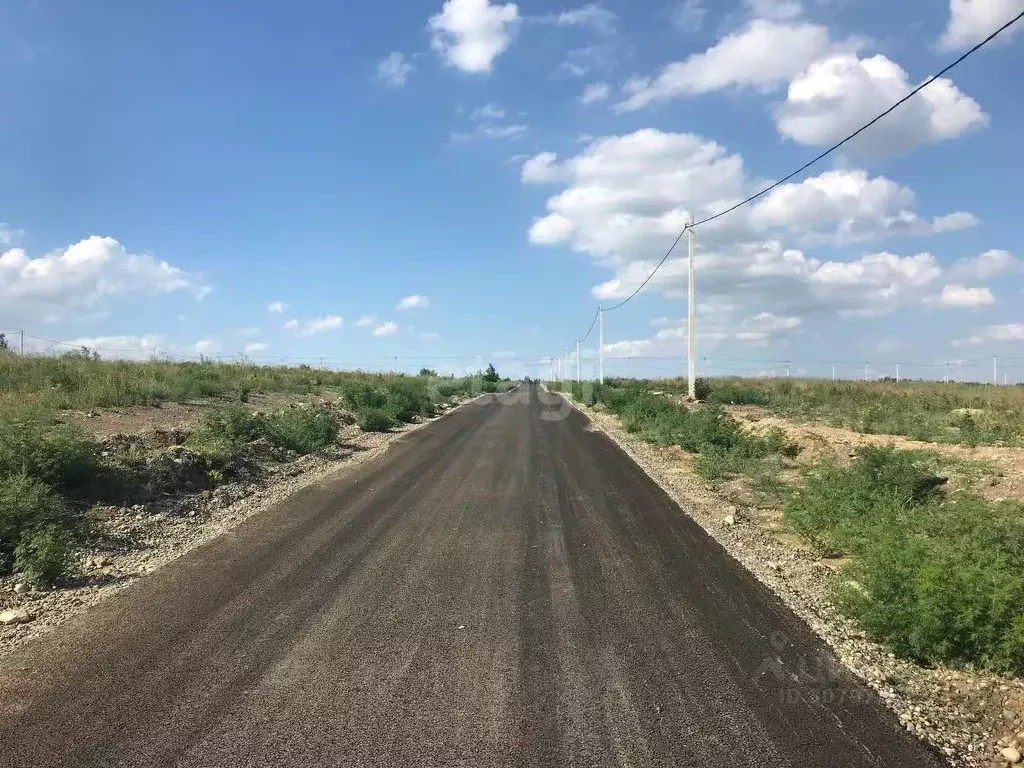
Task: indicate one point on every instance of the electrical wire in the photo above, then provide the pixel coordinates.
(824, 154)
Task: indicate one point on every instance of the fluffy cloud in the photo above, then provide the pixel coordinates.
(386, 329)
(471, 34)
(256, 348)
(414, 302)
(763, 54)
(306, 328)
(624, 199)
(84, 275)
(277, 307)
(848, 206)
(394, 70)
(971, 21)
(366, 321)
(961, 297)
(594, 93)
(985, 266)
(207, 347)
(632, 194)
(835, 95)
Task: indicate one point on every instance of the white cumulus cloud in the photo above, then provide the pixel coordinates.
(961, 297)
(623, 199)
(256, 348)
(366, 321)
(84, 275)
(762, 55)
(471, 34)
(971, 21)
(277, 307)
(386, 329)
(838, 94)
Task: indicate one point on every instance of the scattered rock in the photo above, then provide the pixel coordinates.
(1011, 755)
(15, 616)
(729, 520)
(20, 589)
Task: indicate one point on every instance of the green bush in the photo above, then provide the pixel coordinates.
(375, 420)
(407, 398)
(27, 506)
(303, 430)
(61, 455)
(356, 395)
(839, 508)
(46, 555)
(943, 582)
(937, 579)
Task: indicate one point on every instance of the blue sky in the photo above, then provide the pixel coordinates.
(171, 172)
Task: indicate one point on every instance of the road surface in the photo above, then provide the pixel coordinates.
(503, 588)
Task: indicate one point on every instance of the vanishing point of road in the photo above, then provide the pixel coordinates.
(504, 587)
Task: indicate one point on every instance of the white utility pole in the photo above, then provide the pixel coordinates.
(691, 325)
(600, 345)
(833, 372)
(577, 361)
(897, 373)
(995, 370)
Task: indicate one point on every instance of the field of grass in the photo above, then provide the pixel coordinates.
(52, 472)
(934, 412)
(936, 576)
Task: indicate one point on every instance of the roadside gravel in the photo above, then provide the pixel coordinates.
(975, 719)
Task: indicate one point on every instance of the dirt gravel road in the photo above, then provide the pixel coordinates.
(503, 588)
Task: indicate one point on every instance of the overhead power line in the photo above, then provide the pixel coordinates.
(823, 155)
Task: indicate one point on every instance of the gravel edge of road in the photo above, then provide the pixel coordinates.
(800, 579)
(165, 536)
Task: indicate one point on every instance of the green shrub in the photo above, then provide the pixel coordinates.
(944, 582)
(356, 395)
(28, 505)
(374, 420)
(839, 508)
(61, 455)
(407, 398)
(46, 555)
(303, 430)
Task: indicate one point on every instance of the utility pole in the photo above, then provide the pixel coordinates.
(600, 344)
(22, 342)
(691, 325)
(995, 370)
(787, 369)
(577, 361)
(865, 371)
(897, 373)
(833, 372)
(946, 378)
